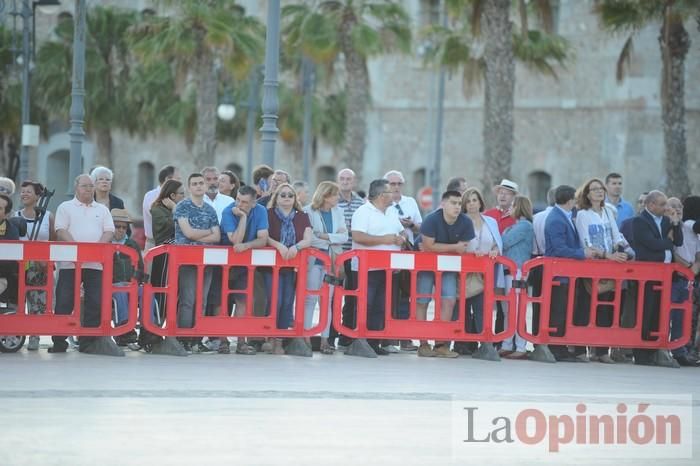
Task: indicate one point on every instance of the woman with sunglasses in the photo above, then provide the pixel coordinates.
(289, 232)
(40, 230)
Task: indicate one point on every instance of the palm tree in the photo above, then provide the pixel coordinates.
(628, 16)
(485, 44)
(9, 110)
(356, 30)
(107, 75)
(202, 39)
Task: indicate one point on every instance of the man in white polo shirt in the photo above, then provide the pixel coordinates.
(373, 228)
(81, 220)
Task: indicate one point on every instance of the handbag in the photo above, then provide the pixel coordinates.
(475, 284)
(334, 250)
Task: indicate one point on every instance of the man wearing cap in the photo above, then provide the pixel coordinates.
(123, 271)
(505, 193)
(81, 219)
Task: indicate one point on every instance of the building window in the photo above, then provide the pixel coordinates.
(429, 12)
(538, 184)
(325, 173)
(147, 178)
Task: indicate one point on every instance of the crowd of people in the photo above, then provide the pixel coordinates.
(215, 208)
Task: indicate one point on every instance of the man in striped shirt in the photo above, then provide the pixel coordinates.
(349, 201)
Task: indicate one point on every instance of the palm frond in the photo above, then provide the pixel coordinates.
(539, 50)
(624, 59)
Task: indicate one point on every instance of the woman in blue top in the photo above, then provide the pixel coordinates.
(517, 246)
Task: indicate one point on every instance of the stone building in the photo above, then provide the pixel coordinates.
(583, 124)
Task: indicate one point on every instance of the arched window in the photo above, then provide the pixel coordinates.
(147, 178)
(538, 183)
(325, 173)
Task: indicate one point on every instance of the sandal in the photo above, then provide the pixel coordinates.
(244, 348)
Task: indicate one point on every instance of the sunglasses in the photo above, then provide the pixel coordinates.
(286, 195)
(398, 207)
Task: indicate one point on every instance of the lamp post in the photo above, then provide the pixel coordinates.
(437, 157)
(77, 107)
(29, 136)
(270, 101)
(309, 77)
(252, 108)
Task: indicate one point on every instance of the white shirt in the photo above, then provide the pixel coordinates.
(220, 202)
(372, 221)
(409, 207)
(599, 230)
(691, 242)
(44, 227)
(86, 223)
(148, 199)
(538, 221)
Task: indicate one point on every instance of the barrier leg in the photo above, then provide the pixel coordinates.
(663, 358)
(487, 352)
(298, 347)
(169, 346)
(104, 346)
(542, 354)
(360, 348)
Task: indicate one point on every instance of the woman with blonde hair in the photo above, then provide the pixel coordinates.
(289, 233)
(517, 245)
(329, 234)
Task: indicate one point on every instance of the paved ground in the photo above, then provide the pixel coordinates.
(77, 409)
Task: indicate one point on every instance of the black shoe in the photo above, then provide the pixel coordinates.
(58, 348)
(644, 362)
(684, 361)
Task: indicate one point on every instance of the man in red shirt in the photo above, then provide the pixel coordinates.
(505, 192)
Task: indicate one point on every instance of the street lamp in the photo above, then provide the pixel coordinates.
(29, 133)
(226, 110)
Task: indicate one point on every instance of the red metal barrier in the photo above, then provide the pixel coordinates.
(50, 323)
(223, 324)
(414, 262)
(556, 271)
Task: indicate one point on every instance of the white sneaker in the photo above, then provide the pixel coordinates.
(390, 349)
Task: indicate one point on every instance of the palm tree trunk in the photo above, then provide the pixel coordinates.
(104, 147)
(499, 92)
(674, 43)
(357, 92)
(205, 139)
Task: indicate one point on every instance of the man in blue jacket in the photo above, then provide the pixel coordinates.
(562, 240)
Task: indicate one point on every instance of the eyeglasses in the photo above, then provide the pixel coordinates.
(4, 190)
(108, 180)
(597, 190)
(396, 183)
(86, 186)
(286, 195)
(387, 192)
